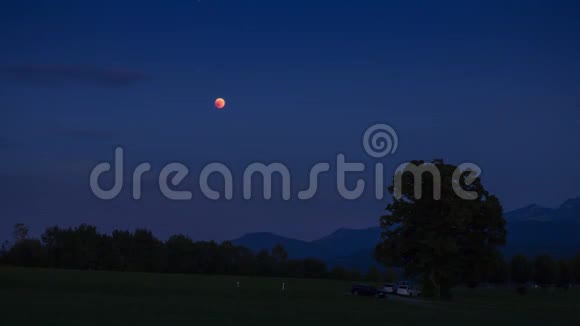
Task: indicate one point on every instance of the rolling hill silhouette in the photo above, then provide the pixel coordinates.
(531, 230)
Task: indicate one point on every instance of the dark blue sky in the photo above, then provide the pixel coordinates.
(491, 82)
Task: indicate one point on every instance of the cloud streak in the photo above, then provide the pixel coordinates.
(70, 74)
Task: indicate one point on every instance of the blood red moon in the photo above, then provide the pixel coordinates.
(220, 103)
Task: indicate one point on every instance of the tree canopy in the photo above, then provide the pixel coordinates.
(443, 240)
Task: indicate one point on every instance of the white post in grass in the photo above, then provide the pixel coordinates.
(283, 286)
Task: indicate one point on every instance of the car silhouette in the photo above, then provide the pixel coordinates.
(363, 290)
(408, 291)
(389, 288)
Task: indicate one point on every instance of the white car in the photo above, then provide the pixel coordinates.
(407, 291)
(404, 283)
(389, 288)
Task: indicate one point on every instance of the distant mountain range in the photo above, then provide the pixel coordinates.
(531, 230)
(345, 247)
(569, 211)
(535, 229)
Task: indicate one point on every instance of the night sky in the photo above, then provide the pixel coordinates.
(496, 83)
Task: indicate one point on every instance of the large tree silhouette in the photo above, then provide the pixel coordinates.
(441, 240)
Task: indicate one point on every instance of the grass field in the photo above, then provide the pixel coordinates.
(55, 297)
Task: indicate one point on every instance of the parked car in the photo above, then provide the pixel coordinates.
(364, 290)
(408, 291)
(404, 283)
(403, 290)
(389, 288)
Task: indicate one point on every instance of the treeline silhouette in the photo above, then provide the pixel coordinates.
(544, 271)
(541, 271)
(84, 248)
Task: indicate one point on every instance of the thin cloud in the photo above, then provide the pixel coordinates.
(70, 74)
